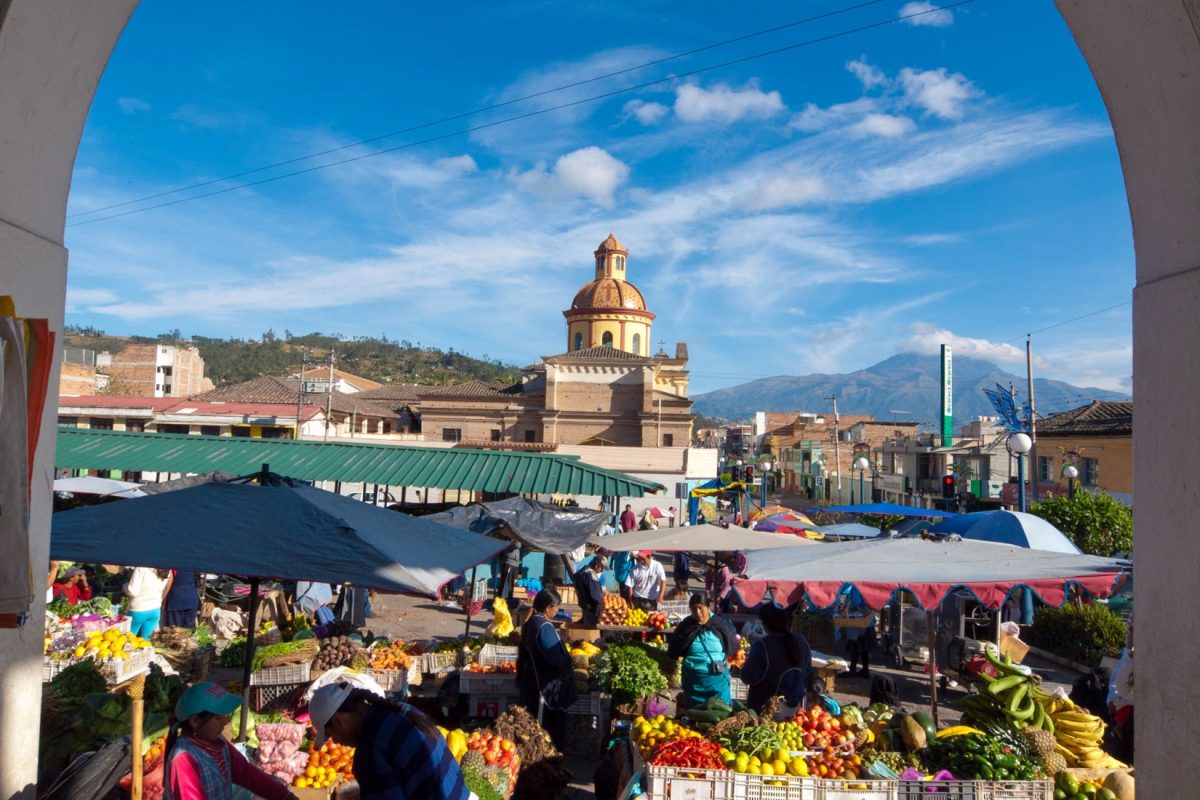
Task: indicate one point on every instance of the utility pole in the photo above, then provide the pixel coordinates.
(300, 394)
(329, 397)
(837, 447)
(1034, 468)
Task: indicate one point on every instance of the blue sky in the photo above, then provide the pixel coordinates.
(949, 178)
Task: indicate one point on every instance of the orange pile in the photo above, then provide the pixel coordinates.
(503, 668)
(390, 657)
(156, 749)
(328, 765)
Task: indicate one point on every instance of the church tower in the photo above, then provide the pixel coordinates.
(609, 311)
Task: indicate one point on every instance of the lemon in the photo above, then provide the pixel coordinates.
(797, 766)
(301, 783)
(754, 770)
(779, 767)
(741, 762)
(767, 769)
(79, 651)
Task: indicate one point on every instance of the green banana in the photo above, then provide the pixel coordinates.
(1039, 716)
(1002, 685)
(1023, 711)
(1001, 667)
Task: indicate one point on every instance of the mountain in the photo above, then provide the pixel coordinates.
(905, 387)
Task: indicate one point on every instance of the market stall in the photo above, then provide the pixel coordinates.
(269, 526)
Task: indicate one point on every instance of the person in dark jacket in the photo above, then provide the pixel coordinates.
(183, 599)
(544, 676)
(704, 642)
(778, 663)
(589, 591)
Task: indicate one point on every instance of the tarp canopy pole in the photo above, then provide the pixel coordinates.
(933, 698)
(470, 603)
(253, 627)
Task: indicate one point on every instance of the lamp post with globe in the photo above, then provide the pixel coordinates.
(1019, 444)
(862, 465)
(1070, 472)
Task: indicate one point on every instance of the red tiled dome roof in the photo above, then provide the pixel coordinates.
(609, 293)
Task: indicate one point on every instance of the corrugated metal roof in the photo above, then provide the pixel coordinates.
(391, 465)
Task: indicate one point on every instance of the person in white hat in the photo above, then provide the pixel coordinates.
(398, 752)
(201, 764)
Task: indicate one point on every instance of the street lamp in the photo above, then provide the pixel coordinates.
(766, 469)
(1019, 444)
(1070, 472)
(862, 465)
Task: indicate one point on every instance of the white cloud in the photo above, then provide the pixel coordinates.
(939, 92)
(646, 113)
(725, 104)
(925, 239)
(869, 75)
(783, 191)
(928, 16)
(588, 172)
(457, 165)
(81, 299)
(132, 105)
(814, 118)
(927, 339)
(887, 125)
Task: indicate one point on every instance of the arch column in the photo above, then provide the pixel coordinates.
(52, 53)
(1145, 57)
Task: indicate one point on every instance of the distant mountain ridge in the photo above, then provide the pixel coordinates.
(905, 388)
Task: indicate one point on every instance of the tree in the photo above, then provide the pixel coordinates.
(1097, 524)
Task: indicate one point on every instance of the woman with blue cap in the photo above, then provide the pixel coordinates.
(201, 764)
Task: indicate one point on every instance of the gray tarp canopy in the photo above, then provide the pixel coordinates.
(275, 531)
(699, 539)
(552, 529)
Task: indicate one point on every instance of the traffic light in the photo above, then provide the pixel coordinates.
(948, 486)
(749, 476)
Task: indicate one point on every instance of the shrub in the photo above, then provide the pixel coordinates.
(1084, 634)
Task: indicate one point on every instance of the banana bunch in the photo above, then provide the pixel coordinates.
(1010, 696)
(958, 730)
(1077, 736)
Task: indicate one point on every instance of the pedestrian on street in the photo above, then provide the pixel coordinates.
(681, 573)
(704, 642)
(147, 589)
(544, 673)
(589, 590)
(647, 581)
(73, 587)
(183, 599)
(628, 519)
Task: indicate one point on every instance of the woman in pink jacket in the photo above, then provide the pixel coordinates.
(200, 763)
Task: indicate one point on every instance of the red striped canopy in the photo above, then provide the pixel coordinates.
(928, 569)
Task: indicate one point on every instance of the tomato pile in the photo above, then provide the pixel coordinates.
(497, 751)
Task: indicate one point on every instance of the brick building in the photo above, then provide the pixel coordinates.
(155, 370)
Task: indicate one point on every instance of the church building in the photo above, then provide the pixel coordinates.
(606, 389)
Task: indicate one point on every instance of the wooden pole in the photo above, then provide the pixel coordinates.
(931, 637)
(253, 626)
(136, 694)
(470, 603)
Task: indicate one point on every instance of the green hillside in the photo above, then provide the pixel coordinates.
(228, 361)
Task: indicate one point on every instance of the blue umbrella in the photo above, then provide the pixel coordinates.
(1008, 527)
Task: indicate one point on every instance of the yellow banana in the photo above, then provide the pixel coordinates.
(956, 730)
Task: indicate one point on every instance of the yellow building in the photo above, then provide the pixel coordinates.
(609, 311)
(1097, 439)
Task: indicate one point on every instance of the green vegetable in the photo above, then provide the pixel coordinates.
(755, 740)
(234, 654)
(271, 651)
(629, 672)
(161, 691)
(203, 636)
(79, 680)
(60, 607)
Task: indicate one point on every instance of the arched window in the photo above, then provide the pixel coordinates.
(637, 344)
(579, 341)
(621, 262)
(606, 340)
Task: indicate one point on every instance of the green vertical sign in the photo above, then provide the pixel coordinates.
(947, 397)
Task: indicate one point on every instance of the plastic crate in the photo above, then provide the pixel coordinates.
(858, 790)
(674, 609)
(591, 704)
(1018, 790)
(120, 670)
(585, 734)
(774, 787)
(737, 689)
(493, 655)
(51, 667)
(941, 790)
(390, 680)
(290, 674)
(437, 663)
(487, 683)
(275, 696)
(680, 783)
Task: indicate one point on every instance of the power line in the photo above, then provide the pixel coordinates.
(527, 115)
(481, 109)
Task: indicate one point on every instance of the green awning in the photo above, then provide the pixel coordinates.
(497, 471)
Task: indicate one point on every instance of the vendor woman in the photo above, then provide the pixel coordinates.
(704, 642)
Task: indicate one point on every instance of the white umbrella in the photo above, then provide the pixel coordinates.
(699, 539)
(90, 484)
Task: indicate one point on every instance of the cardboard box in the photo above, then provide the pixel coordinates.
(308, 793)
(1013, 647)
(574, 632)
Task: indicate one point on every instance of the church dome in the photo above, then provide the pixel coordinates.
(609, 293)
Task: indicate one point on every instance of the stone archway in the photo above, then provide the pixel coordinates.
(1145, 56)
